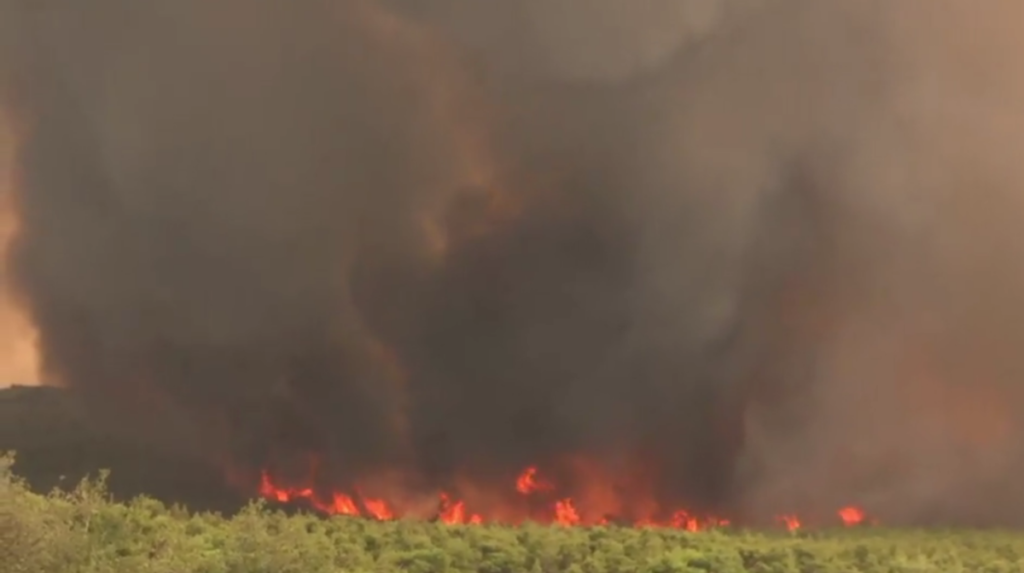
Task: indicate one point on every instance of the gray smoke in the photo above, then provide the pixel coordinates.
(765, 247)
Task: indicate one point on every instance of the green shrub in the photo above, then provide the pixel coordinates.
(84, 532)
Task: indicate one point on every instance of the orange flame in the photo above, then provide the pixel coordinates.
(455, 513)
(378, 509)
(565, 512)
(344, 505)
(561, 510)
(682, 519)
(791, 522)
(851, 515)
(527, 482)
(19, 355)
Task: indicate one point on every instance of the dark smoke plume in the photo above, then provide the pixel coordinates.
(767, 246)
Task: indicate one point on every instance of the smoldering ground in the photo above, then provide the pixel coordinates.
(765, 247)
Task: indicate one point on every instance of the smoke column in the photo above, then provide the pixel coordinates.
(764, 251)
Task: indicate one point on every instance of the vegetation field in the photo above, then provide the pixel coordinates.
(83, 531)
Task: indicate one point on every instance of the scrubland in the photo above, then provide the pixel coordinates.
(84, 531)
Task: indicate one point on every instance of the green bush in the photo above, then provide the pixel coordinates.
(83, 532)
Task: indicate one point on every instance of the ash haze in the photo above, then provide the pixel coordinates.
(767, 247)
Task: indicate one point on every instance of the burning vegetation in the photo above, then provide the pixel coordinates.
(702, 262)
(536, 501)
(19, 356)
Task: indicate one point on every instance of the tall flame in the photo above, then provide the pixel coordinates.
(19, 354)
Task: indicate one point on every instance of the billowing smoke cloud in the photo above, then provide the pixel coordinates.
(763, 250)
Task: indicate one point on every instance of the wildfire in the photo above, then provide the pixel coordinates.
(454, 513)
(378, 509)
(791, 522)
(343, 505)
(529, 488)
(19, 355)
(565, 513)
(527, 482)
(851, 515)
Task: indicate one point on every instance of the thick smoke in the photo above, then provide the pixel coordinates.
(763, 250)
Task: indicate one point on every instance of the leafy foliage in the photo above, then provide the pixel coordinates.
(82, 531)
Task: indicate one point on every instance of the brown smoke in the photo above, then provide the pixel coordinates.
(767, 244)
(898, 340)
